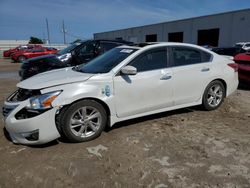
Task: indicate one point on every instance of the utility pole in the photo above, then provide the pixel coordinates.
(47, 24)
(64, 32)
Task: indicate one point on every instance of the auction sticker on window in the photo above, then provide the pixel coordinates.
(126, 51)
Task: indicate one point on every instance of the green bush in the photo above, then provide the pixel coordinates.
(34, 40)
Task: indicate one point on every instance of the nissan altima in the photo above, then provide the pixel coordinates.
(127, 82)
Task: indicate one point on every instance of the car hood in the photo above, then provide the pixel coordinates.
(41, 57)
(54, 78)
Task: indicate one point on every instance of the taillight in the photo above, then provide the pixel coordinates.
(234, 66)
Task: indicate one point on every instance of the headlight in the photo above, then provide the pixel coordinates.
(64, 57)
(44, 101)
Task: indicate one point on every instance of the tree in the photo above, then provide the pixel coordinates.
(34, 40)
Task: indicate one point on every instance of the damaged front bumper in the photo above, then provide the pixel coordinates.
(31, 129)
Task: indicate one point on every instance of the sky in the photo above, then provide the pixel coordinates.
(21, 19)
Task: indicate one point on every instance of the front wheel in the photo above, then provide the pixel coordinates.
(213, 95)
(83, 121)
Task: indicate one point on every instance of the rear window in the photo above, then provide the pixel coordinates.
(187, 56)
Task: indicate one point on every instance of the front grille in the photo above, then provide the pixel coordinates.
(23, 94)
(7, 109)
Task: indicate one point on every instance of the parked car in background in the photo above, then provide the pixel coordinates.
(8, 53)
(90, 49)
(74, 54)
(228, 51)
(23, 55)
(243, 61)
(127, 82)
(209, 47)
(36, 65)
(65, 54)
(243, 45)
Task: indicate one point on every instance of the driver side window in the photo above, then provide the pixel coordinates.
(87, 49)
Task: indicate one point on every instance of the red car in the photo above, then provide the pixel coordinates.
(8, 53)
(243, 61)
(23, 55)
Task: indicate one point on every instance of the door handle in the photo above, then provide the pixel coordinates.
(205, 69)
(166, 77)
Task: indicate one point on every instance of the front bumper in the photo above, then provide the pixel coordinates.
(6, 54)
(43, 126)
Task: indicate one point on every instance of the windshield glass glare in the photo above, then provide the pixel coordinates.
(106, 61)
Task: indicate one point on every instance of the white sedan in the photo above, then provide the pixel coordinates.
(126, 82)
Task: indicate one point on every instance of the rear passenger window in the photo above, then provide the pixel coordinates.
(187, 56)
(151, 60)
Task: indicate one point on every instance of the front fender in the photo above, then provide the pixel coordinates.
(79, 91)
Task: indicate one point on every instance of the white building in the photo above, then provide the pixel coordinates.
(6, 44)
(223, 29)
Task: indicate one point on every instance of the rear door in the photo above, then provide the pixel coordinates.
(192, 70)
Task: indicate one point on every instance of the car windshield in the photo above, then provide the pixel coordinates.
(67, 49)
(106, 61)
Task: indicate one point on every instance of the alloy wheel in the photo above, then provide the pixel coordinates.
(215, 95)
(85, 121)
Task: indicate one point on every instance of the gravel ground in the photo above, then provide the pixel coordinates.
(181, 148)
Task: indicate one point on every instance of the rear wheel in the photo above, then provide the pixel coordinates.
(83, 121)
(213, 95)
(21, 58)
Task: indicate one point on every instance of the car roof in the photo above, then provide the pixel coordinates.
(242, 42)
(108, 40)
(155, 44)
(149, 45)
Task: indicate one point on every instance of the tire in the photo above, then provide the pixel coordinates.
(214, 95)
(83, 121)
(21, 58)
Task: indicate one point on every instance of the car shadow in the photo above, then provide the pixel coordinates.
(49, 144)
(245, 87)
(152, 117)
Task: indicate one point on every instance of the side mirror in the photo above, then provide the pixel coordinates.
(129, 70)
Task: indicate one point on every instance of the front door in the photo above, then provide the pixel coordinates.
(150, 89)
(84, 53)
